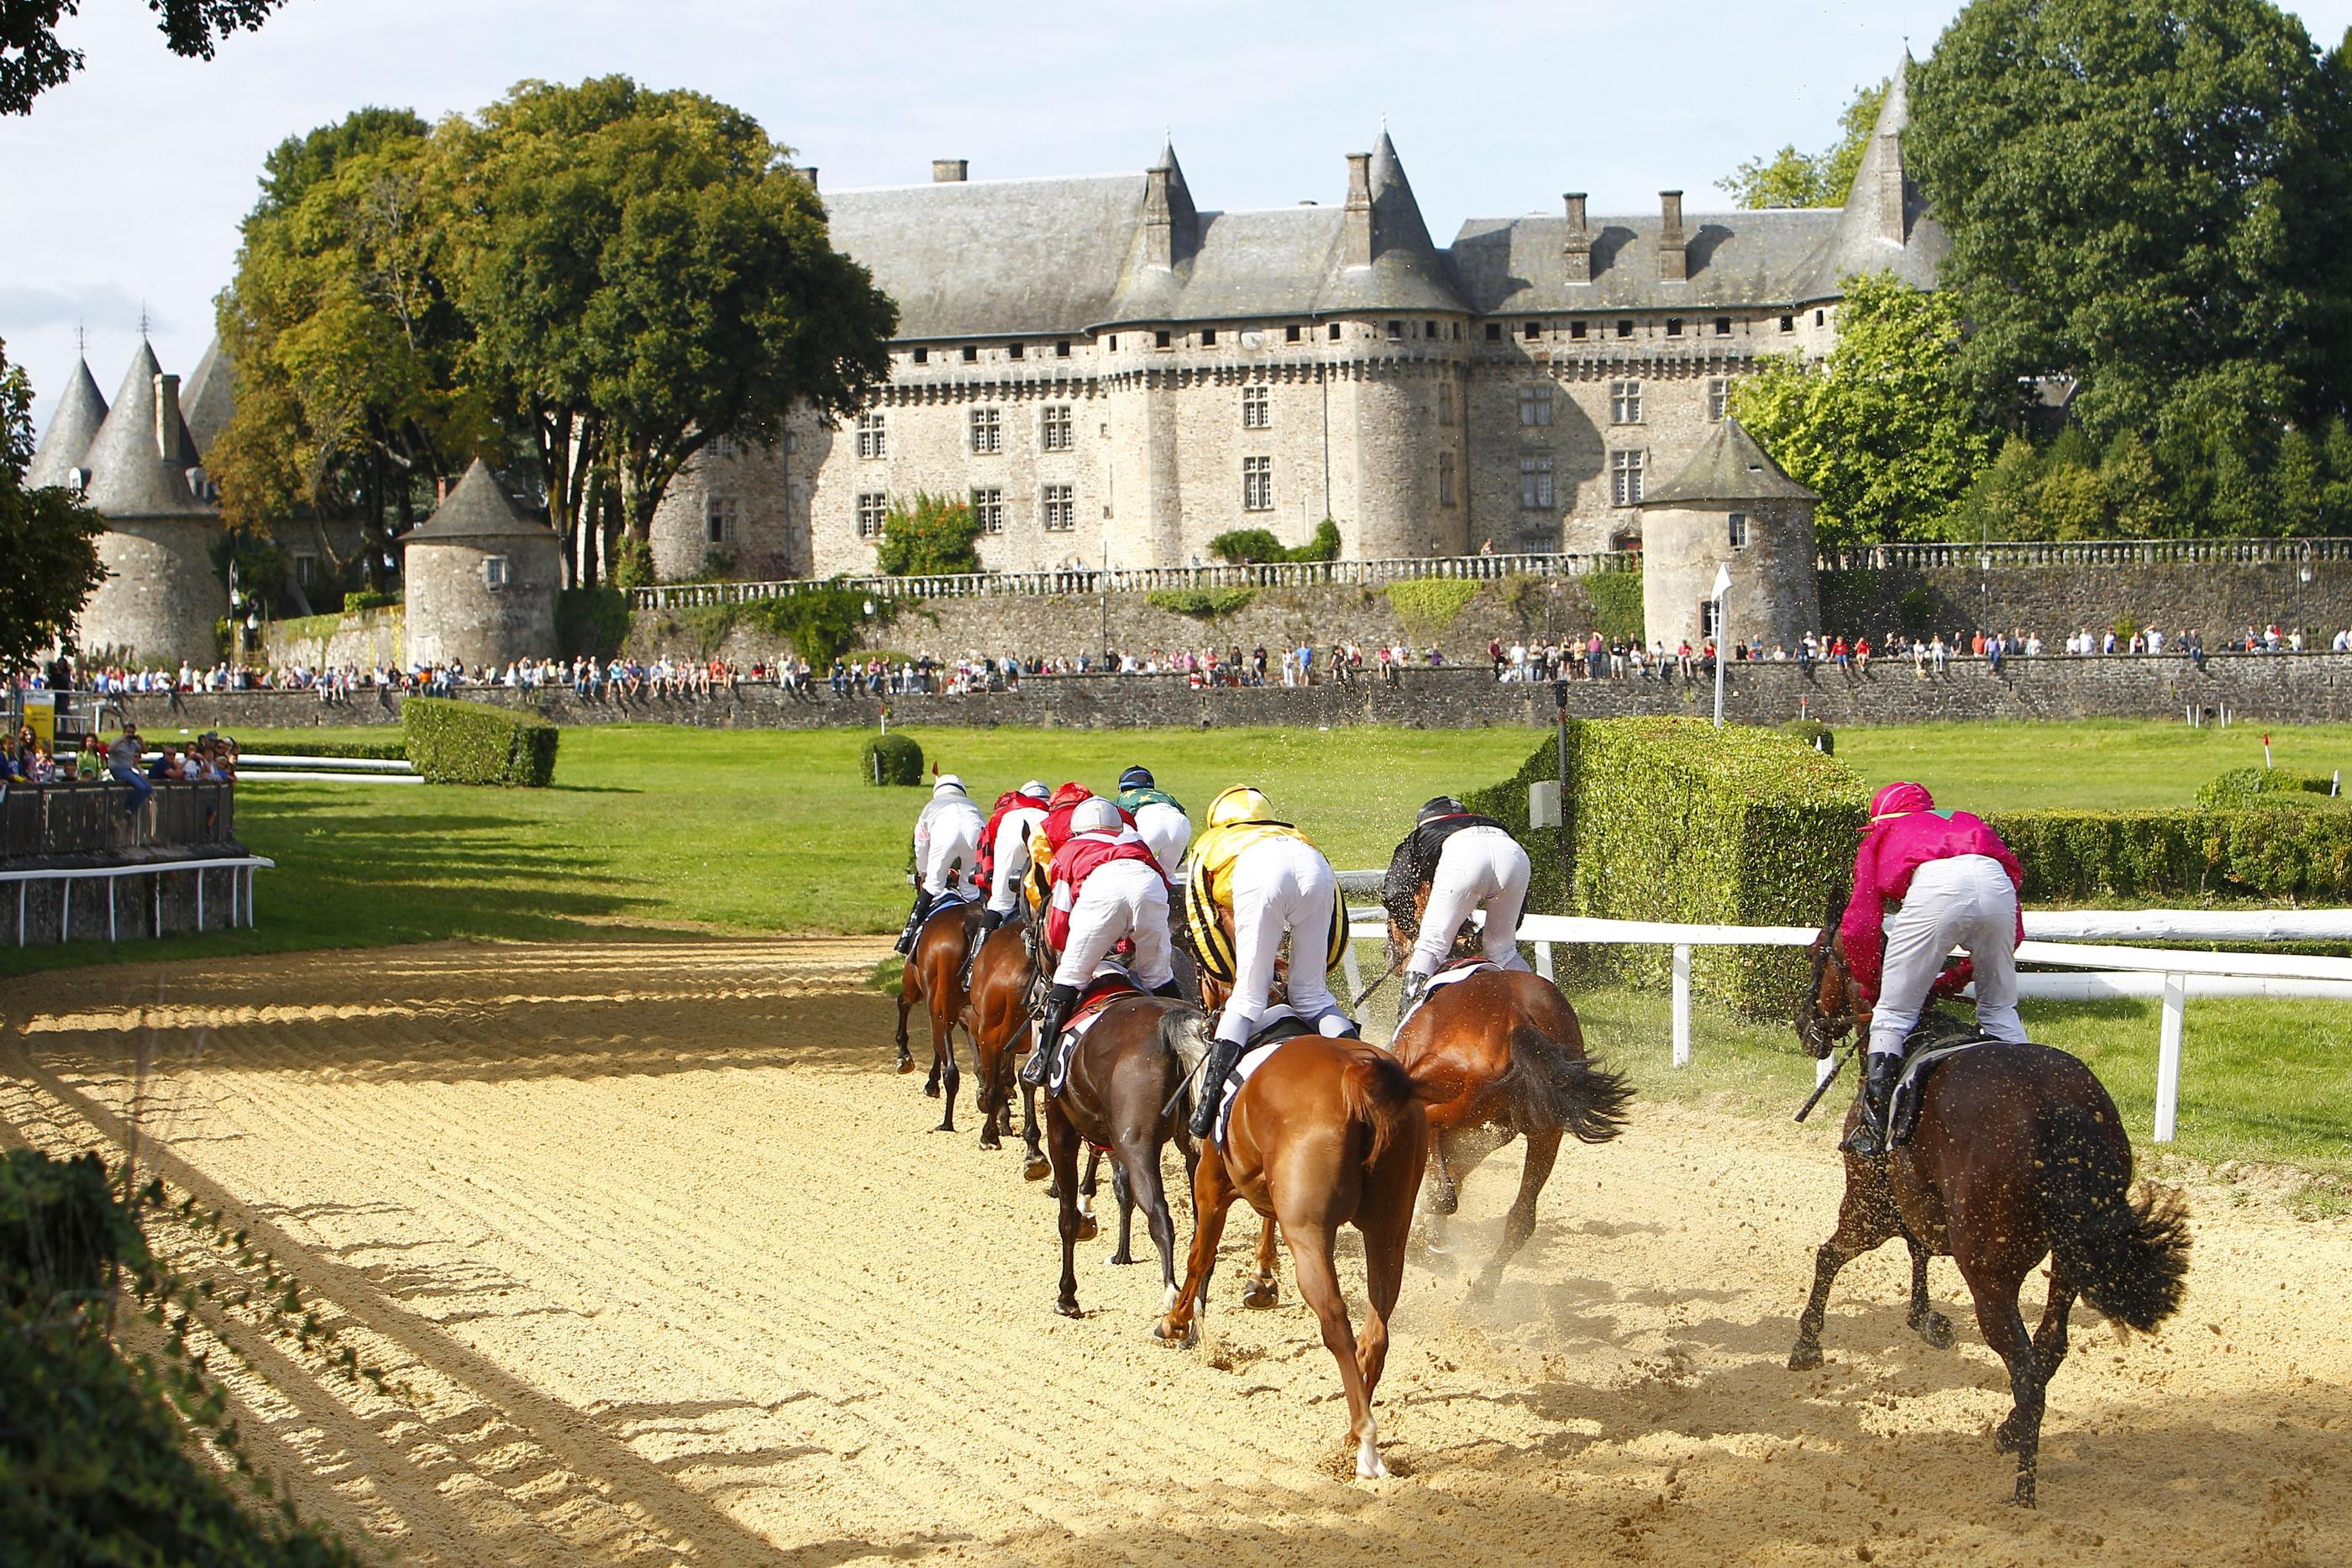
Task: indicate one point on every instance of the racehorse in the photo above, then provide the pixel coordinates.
(2018, 1154)
(997, 1019)
(1122, 1093)
(1501, 1052)
(933, 976)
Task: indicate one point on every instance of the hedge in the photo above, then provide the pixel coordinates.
(389, 748)
(2073, 856)
(1201, 603)
(2241, 788)
(1671, 819)
(891, 759)
(452, 742)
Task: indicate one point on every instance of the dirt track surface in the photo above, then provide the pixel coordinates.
(665, 1265)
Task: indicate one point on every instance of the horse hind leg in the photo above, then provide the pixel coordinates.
(1141, 1168)
(1318, 1283)
(905, 997)
(1122, 1188)
(1866, 1221)
(1264, 1287)
(1063, 1140)
(1213, 1196)
(1926, 1321)
(2004, 1330)
(1088, 1228)
(1033, 1166)
(943, 1066)
(1543, 1150)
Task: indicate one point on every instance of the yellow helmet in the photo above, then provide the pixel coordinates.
(1239, 804)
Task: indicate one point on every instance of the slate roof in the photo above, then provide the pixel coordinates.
(1513, 266)
(476, 508)
(1859, 243)
(129, 477)
(1729, 467)
(209, 396)
(75, 425)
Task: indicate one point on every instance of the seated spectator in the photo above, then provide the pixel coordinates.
(122, 767)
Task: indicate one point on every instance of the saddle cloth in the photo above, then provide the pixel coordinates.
(1107, 986)
(1459, 970)
(1277, 1028)
(1903, 1111)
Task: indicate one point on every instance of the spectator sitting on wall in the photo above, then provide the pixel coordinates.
(122, 767)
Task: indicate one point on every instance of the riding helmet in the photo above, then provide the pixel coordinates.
(1138, 777)
(1093, 816)
(1440, 805)
(1239, 804)
(1035, 789)
(948, 783)
(1900, 799)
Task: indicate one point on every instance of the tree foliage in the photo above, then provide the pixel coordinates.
(47, 537)
(931, 537)
(1879, 428)
(1243, 547)
(32, 60)
(1792, 179)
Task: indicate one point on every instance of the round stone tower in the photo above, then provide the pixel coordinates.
(163, 599)
(482, 579)
(1732, 507)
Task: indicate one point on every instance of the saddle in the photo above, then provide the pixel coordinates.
(1277, 1028)
(1935, 1042)
(1453, 969)
(1099, 993)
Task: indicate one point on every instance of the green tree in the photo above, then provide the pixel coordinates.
(1792, 179)
(2003, 502)
(32, 60)
(2138, 498)
(48, 538)
(1878, 428)
(934, 537)
(2335, 457)
(2297, 485)
(2071, 500)
(2151, 199)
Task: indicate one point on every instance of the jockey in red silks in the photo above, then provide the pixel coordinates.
(1957, 884)
(1108, 888)
(1004, 859)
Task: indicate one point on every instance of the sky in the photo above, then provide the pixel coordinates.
(121, 192)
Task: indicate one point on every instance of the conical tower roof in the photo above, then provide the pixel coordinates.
(210, 397)
(1396, 214)
(1884, 225)
(1729, 467)
(478, 508)
(75, 425)
(131, 474)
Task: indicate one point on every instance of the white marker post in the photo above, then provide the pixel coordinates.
(1722, 636)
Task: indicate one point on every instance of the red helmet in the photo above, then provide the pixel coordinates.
(1070, 794)
(1900, 799)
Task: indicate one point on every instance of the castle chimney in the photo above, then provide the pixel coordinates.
(1159, 221)
(809, 174)
(1357, 221)
(949, 171)
(1674, 258)
(1894, 222)
(1576, 253)
(167, 419)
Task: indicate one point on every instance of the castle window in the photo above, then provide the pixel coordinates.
(987, 431)
(719, 521)
(1113, 344)
(1396, 330)
(1532, 330)
(1739, 531)
(1159, 339)
(1674, 326)
(1624, 327)
(1723, 326)
(306, 570)
(873, 437)
(1625, 478)
(872, 508)
(494, 571)
(1494, 331)
(1062, 348)
(1788, 323)
(970, 355)
(1820, 318)
(1457, 331)
(1290, 333)
(1708, 613)
(1535, 405)
(1576, 329)
(1017, 350)
(1257, 484)
(1625, 402)
(1445, 405)
(1445, 478)
(1054, 429)
(1059, 512)
(1208, 337)
(1256, 413)
(1429, 328)
(1534, 484)
(1335, 331)
(923, 356)
(988, 510)
(1718, 398)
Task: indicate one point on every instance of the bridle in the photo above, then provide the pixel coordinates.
(1819, 1028)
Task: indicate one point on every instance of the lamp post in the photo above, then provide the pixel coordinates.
(1722, 636)
(236, 624)
(1102, 588)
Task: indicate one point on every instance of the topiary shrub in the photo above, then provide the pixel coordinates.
(1428, 607)
(891, 759)
(450, 742)
(2243, 788)
(1201, 603)
(1813, 733)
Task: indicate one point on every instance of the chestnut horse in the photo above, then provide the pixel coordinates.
(1326, 1133)
(933, 977)
(997, 1019)
(1501, 1052)
(2018, 1155)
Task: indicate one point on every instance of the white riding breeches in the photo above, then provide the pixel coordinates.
(1166, 831)
(955, 837)
(1012, 849)
(1478, 868)
(1966, 902)
(1119, 898)
(1281, 888)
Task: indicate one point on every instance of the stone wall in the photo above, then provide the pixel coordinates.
(2058, 599)
(366, 639)
(454, 613)
(161, 602)
(2311, 688)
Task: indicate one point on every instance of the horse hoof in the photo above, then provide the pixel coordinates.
(990, 1144)
(1936, 1329)
(930, 1088)
(1184, 1338)
(944, 1127)
(1036, 1169)
(1805, 1357)
(1444, 1203)
(905, 1065)
(1087, 1227)
(1370, 1467)
(1119, 1260)
(1260, 1294)
(1068, 1309)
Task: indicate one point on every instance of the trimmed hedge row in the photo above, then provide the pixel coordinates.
(450, 742)
(2073, 856)
(1671, 819)
(388, 748)
(891, 759)
(2265, 786)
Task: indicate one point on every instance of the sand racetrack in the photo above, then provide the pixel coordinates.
(663, 1266)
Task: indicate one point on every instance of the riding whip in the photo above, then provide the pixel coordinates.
(1824, 1086)
(1375, 985)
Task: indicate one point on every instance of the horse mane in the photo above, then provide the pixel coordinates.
(1939, 1028)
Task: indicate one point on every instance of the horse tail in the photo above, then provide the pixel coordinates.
(2125, 1251)
(1376, 1092)
(1550, 1087)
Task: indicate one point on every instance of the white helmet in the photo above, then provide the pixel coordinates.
(1035, 789)
(1093, 814)
(949, 783)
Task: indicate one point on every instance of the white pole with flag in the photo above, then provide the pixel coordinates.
(1722, 641)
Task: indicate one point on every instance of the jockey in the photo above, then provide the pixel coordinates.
(1271, 881)
(1957, 884)
(1465, 862)
(947, 852)
(1156, 815)
(1004, 858)
(1108, 888)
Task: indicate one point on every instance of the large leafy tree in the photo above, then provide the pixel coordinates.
(32, 60)
(931, 536)
(2154, 200)
(1879, 428)
(1792, 179)
(47, 537)
(646, 275)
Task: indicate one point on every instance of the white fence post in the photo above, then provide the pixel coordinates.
(1824, 1068)
(1348, 966)
(1543, 959)
(2167, 1056)
(1682, 1004)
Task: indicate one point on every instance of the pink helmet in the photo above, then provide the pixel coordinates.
(1900, 799)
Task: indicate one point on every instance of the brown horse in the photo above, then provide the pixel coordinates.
(1121, 1093)
(933, 977)
(1326, 1133)
(997, 1019)
(2018, 1155)
(1499, 1055)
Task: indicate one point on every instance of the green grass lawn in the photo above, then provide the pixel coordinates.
(2094, 765)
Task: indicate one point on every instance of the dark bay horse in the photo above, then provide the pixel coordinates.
(997, 1019)
(1499, 1055)
(2018, 1154)
(933, 977)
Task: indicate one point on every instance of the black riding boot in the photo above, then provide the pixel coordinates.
(1222, 1056)
(915, 922)
(1868, 1138)
(1037, 1071)
(1168, 988)
(990, 920)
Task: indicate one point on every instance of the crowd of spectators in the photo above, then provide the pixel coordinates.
(28, 760)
